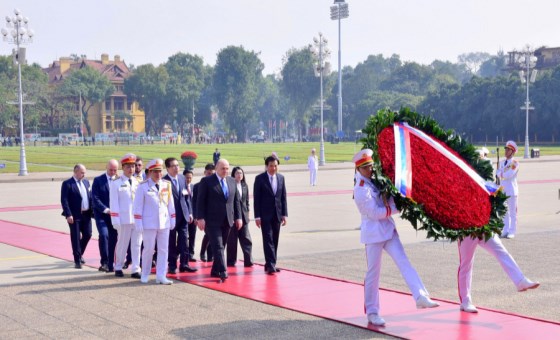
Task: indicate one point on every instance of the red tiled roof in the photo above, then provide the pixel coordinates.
(116, 72)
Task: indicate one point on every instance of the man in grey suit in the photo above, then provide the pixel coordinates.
(271, 210)
(218, 209)
(179, 237)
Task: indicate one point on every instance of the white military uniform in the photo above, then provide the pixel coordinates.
(154, 215)
(507, 172)
(494, 246)
(121, 198)
(378, 232)
(313, 166)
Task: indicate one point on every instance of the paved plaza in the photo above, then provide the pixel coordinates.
(44, 297)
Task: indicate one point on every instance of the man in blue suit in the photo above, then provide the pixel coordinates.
(75, 198)
(179, 237)
(218, 209)
(107, 234)
(271, 210)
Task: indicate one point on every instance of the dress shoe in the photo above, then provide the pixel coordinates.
(172, 271)
(104, 268)
(187, 269)
(82, 261)
(270, 271)
(78, 265)
(144, 279)
(231, 264)
(510, 236)
(277, 269)
(526, 284)
(192, 259)
(119, 273)
(164, 281)
(425, 302)
(111, 270)
(468, 307)
(376, 320)
(125, 265)
(214, 274)
(247, 265)
(223, 276)
(203, 258)
(136, 276)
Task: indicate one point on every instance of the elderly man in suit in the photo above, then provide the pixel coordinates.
(271, 210)
(75, 198)
(218, 208)
(101, 212)
(179, 237)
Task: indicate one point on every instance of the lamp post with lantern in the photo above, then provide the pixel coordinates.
(19, 35)
(339, 11)
(321, 52)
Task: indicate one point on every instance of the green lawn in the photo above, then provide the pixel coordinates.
(62, 158)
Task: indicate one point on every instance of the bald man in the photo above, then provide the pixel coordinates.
(107, 234)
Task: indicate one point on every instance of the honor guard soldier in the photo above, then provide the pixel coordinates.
(121, 201)
(378, 233)
(507, 172)
(154, 216)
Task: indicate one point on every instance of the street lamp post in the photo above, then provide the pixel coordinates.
(527, 76)
(339, 11)
(19, 35)
(321, 52)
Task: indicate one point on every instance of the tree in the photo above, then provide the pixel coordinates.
(495, 66)
(473, 60)
(93, 87)
(237, 76)
(185, 85)
(148, 86)
(299, 83)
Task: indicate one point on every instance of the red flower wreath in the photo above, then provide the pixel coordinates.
(445, 200)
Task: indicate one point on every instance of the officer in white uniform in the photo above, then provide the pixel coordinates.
(154, 216)
(507, 172)
(121, 198)
(494, 246)
(313, 166)
(378, 233)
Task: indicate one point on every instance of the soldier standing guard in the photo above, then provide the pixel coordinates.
(121, 199)
(154, 216)
(507, 172)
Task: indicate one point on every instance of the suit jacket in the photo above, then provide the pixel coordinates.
(71, 200)
(194, 199)
(212, 205)
(267, 205)
(100, 192)
(182, 209)
(245, 202)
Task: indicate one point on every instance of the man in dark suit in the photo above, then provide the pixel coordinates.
(178, 237)
(101, 212)
(218, 209)
(205, 248)
(189, 198)
(75, 198)
(271, 210)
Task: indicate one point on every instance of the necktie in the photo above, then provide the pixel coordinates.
(175, 183)
(505, 163)
(224, 188)
(157, 187)
(272, 184)
(130, 181)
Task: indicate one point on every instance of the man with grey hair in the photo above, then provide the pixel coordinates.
(75, 198)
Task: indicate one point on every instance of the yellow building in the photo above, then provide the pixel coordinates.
(117, 113)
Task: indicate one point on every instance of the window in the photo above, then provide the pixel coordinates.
(108, 104)
(118, 103)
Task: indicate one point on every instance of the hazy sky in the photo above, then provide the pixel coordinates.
(149, 31)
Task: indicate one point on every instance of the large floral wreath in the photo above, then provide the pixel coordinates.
(444, 202)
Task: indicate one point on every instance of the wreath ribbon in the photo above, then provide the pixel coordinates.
(403, 163)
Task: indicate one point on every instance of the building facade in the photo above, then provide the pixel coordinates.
(118, 113)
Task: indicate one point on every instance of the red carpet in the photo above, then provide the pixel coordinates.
(320, 296)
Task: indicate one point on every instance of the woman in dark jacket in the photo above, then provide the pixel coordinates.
(243, 233)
